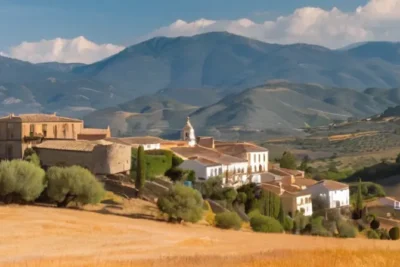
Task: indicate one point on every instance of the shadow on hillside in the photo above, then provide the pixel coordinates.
(142, 216)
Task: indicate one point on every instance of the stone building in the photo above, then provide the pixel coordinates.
(26, 130)
(100, 157)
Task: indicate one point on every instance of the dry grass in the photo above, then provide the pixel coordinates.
(326, 258)
(38, 236)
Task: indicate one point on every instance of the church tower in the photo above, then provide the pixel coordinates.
(187, 133)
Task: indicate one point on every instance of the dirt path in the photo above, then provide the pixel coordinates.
(32, 233)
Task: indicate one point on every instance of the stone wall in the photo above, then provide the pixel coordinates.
(103, 159)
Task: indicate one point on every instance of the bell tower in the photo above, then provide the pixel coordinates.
(187, 133)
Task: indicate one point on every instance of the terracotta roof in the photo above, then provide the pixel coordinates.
(141, 140)
(279, 172)
(271, 188)
(38, 118)
(305, 182)
(287, 191)
(71, 145)
(238, 149)
(95, 131)
(331, 185)
(208, 153)
(205, 161)
(292, 172)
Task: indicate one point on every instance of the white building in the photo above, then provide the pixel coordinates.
(187, 133)
(148, 142)
(334, 194)
(203, 168)
(256, 156)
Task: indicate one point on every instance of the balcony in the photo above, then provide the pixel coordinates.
(33, 138)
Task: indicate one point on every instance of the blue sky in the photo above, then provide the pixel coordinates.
(122, 21)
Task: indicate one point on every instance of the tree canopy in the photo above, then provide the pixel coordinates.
(182, 203)
(73, 184)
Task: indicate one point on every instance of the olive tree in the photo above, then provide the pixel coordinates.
(182, 203)
(73, 184)
(21, 179)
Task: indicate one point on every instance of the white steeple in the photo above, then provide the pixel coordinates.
(187, 133)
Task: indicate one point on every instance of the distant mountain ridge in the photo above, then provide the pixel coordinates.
(206, 71)
(278, 108)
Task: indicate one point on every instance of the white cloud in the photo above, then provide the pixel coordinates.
(377, 20)
(78, 50)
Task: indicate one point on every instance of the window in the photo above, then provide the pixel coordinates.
(55, 131)
(264, 156)
(259, 157)
(65, 129)
(10, 130)
(73, 130)
(31, 129)
(44, 130)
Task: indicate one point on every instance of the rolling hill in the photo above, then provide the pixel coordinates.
(272, 109)
(154, 115)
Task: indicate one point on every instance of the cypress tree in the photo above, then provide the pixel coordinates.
(281, 215)
(359, 202)
(140, 169)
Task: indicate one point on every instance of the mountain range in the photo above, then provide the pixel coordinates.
(223, 80)
(272, 109)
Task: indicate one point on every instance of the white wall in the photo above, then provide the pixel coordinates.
(339, 196)
(305, 203)
(257, 159)
(151, 146)
(202, 171)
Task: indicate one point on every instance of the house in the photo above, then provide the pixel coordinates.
(100, 157)
(18, 132)
(204, 168)
(148, 142)
(333, 194)
(92, 134)
(233, 170)
(256, 156)
(292, 199)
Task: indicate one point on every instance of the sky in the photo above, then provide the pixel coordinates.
(89, 30)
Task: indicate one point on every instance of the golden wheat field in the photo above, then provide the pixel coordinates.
(39, 236)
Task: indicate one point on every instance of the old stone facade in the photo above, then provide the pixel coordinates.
(100, 157)
(26, 130)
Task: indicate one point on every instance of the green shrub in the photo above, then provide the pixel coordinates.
(157, 162)
(265, 224)
(34, 159)
(73, 184)
(371, 234)
(317, 227)
(288, 224)
(346, 229)
(383, 234)
(182, 203)
(22, 180)
(375, 224)
(394, 233)
(228, 220)
(175, 174)
(241, 198)
(253, 213)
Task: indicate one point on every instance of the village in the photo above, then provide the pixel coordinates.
(227, 184)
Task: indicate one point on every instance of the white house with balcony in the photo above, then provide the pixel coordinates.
(332, 193)
(256, 156)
